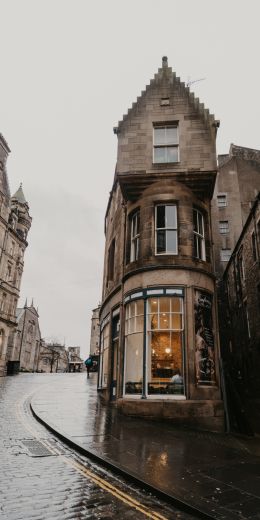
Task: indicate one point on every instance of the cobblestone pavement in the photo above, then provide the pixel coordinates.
(218, 474)
(41, 478)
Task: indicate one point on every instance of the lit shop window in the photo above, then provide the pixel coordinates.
(104, 345)
(163, 343)
(134, 338)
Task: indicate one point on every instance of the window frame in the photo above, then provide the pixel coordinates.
(254, 246)
(166, 145)
(219, 196)
(156, 229)
(135, 239)
(226, 230)
(226, 249)
(198, 237)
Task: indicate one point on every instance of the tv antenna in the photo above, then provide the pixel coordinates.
(192, 81)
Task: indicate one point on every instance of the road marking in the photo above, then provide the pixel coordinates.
(124, 497)
(104, 484)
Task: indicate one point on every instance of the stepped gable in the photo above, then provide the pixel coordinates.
(166, 75)
(248, 154)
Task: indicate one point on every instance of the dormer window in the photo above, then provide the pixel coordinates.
(165, 143)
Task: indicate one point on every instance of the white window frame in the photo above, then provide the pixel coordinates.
(222, 196)
(223, 227)
(166, 229)
(222, 256)
(135, 238)
(198, 237)
(166, 145)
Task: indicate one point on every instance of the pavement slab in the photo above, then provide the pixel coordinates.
(217, 473)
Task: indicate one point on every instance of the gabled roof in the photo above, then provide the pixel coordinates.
(19, 195)
(241, 152)
(165, 74)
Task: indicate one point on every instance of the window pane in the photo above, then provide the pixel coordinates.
(134, 364)
(171, 154)
(161, 241)
(160, 155)
(159, 136)
(164, 304)
(131, 326)
(171, 241)
(160, 216)
(171, 135)
(139, 323)
(200, 223)
(195, 220)
(153, 305)
(171, 217)
(153, 321)
(139, 307)
(177, 321)
(165, 321)
(176, 304)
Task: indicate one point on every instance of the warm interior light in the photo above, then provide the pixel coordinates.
(167, 350)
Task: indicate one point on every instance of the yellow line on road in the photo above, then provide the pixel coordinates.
(124, 497)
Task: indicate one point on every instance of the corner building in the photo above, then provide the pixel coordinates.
(159, 346)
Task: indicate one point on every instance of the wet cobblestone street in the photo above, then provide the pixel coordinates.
(42, 479)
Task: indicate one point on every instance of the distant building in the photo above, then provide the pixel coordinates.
(75, 361)
(241, 335)
(237, 185)
(158, 317)
(24, 341)
(95, 332)
(15, 222)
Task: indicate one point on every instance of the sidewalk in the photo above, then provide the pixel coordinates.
(216, 473)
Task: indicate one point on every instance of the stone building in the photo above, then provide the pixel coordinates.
(53, 357)
(242, 287)
(237, 185)
(15, 223)
(94, 333)
(158, 319)
(24, 342)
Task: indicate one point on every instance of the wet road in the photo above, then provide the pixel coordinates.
(41, 478)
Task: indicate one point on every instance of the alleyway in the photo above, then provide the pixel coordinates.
(42, 479)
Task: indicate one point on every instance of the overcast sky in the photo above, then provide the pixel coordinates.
(69, 70)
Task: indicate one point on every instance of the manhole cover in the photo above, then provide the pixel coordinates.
(36, 448)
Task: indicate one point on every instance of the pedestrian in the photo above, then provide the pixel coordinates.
(89, 364)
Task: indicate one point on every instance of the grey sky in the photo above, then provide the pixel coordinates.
(69, 70)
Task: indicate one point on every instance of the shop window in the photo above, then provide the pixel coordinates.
(204, 339)
(166, 239)
(165, 346)
(198, 235)
(165, 144)
(134, 334)
(163, 342)
(223, 227)
(135, 236)
(104, 347)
